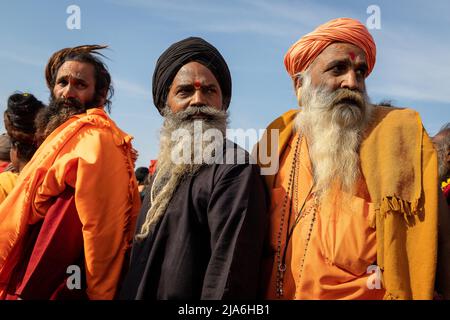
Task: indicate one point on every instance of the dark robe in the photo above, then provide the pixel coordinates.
(208, 244)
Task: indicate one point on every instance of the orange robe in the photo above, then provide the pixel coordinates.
(90, 154)
(399, 165)
(342, 244)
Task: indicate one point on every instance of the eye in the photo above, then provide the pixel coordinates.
(184, 92)
(361, 72)
(81, 85)
(211, 90)
(62, 82)
(338, 69)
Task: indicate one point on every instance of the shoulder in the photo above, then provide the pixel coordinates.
(8, 179)
(236, 163)
(394, 115)
(394, 120)
(284, 120)
(95, 126)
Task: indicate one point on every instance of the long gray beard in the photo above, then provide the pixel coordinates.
(333, 124)
(180, 132)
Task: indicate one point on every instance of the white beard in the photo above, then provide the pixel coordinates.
(334, 131)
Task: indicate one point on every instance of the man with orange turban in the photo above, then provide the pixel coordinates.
(355, 210)
(66, 227)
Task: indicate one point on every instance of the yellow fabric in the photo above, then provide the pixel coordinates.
(399, 165)
(8, 180)
(338, 254)
(92, 155)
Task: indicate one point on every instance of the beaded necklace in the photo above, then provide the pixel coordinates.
(292, 191)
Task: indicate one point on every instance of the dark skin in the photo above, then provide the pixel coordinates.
(194, 85)
(340, 65)
(17, 163)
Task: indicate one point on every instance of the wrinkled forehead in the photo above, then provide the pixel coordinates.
(195, 71)
(76, 69)
(341, 51)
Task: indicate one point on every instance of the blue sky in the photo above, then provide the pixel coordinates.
(412, 69)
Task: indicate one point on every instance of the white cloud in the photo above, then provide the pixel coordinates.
(21, 58)
(124, 86)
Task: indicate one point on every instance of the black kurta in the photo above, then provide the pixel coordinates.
(208, 244)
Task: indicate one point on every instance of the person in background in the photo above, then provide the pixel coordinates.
(442, 143)
(5, 147)
(141, 177)
(19, 123)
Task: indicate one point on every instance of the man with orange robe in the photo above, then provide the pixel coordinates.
(355, 210)
(67, 226)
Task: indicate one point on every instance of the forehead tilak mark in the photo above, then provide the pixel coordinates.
(352, 55)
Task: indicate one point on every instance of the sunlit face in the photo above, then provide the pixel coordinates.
(75, 80)
(340, 65)
(194, 85)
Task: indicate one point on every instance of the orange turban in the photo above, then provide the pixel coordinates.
(302, 53)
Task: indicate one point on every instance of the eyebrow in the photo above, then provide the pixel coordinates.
(190, 86)
(70, 76)
(347, 62)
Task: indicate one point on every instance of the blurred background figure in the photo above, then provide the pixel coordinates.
(141, 177)
(19, 123)
(5, 146)
(442, 143)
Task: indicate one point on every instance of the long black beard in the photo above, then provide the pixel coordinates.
(58, 112)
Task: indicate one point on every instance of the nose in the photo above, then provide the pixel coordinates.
(351, 81)
(198, 99)
(68, 91)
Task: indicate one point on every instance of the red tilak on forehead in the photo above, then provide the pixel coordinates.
(352, 55)
(197, 84)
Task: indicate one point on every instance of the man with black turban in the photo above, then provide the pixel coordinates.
(200, 231)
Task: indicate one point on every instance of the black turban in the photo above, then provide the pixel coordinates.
(181, 53)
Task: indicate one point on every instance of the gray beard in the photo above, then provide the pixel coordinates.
(171, 167)
(333, 124)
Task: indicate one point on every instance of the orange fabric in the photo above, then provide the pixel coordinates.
(92, 155)
(342, 244)
(302, 53)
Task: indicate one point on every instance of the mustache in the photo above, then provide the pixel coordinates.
(66, 103)
(204, 112)
(345, 96)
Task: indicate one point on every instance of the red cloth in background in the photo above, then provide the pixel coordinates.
(58, 245)
(152, 167)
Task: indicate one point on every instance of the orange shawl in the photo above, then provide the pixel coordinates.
(92, 155)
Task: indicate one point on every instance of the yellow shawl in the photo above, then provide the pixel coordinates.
(399, 165)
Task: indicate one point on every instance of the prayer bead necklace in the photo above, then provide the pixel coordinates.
(292, 188)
